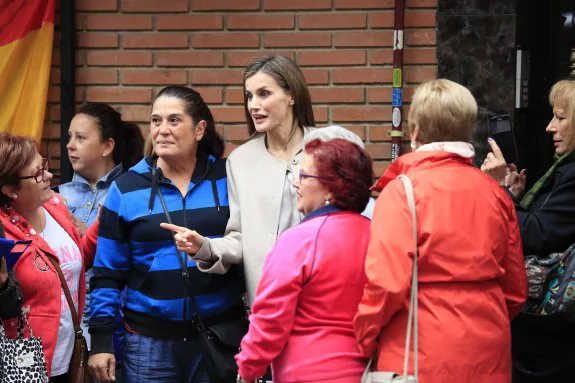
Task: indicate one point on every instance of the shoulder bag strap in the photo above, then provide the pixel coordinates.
(412, 321)
(77, 328)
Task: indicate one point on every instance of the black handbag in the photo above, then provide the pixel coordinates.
(219, 341)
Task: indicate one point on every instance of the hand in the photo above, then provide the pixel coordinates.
(515, 181)
(494, 163)
(103, 367)
(79, 225)
(3, 272)
(186, 240)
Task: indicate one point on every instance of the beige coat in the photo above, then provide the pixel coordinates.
(255, 188)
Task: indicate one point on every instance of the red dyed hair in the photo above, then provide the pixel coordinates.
(346, 171)
(16, 152)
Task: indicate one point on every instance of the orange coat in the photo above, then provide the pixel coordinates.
(471, 274)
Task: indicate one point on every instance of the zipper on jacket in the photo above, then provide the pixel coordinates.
(184, 263)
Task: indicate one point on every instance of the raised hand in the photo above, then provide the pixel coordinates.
(494, 163)
(186, 240)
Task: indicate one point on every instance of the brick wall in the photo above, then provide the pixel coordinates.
(129, 49)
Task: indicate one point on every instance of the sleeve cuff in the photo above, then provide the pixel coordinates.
(205, 252)
(102, 343)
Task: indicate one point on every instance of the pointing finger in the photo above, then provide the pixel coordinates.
(172, 227)
(495, 148)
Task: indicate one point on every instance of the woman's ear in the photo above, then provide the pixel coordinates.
(200, 130)
(8, 191)
(109, 146)
(415, 133)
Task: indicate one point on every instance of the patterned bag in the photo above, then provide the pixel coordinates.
(22, 359)
(554, 284)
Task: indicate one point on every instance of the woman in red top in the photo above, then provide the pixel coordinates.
(312, 280)
(471, 274)
(29, 210)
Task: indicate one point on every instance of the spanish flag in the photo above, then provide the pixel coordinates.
(26, 35)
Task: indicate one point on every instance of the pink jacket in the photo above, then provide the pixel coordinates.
(302, 317)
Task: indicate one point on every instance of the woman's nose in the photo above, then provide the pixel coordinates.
(551, 126)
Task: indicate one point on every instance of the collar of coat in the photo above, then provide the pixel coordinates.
(420, 160)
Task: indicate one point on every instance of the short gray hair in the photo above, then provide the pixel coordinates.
(331, 133)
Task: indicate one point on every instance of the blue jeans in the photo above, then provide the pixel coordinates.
(154, 360)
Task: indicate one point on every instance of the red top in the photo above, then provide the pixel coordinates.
(40, 284)
(305, 303)
(471, 273)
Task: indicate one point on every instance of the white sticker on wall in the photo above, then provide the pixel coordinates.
(396, 117)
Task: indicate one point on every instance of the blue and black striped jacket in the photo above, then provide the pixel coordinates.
(134, 252)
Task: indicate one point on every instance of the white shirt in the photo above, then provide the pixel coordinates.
(71, 264)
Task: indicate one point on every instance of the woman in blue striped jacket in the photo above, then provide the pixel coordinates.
(185, 181)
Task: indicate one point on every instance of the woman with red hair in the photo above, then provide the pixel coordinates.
(313, 278)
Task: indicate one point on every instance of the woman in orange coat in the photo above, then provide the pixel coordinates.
(471, 274)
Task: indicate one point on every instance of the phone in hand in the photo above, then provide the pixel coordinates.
(501, 130)
(12, 250)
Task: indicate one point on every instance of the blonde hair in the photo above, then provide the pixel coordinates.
(562, 95)
(443, 110)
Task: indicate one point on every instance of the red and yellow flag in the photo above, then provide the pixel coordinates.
(26, 35)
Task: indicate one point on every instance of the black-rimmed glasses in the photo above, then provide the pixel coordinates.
(40, 174)
(303, 176)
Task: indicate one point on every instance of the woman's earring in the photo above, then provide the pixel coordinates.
(326, 201)
(14, 196)
(413, 145)
(104, 154)
(291, 102)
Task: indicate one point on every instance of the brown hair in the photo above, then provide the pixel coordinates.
(444, 111)
(16, 152)
(562, 95)
(290, 78)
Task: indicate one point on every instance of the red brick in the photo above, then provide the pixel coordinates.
(422, 3)
(379, 168)
(381, 56)
(229, 148)
(420, 18)
(236, 133)
(228, 114)
(301, 39)
(379, 133)
(119, 58)
(118, 22)
(357, 129)
(153, 77)
(211, 95)
(361, 76)
(99, 5)
(415, 75)
(97, 40)
(382, 19)
(363, 39)
(136, 113)
(51, 131)
(96, 76)
(243, 58)
(379, 151)
(189, 22)
(364, 4)
(333, 57)
(321, 114)
(337, 95)
(332, 20)
(216, 77)
(225, 40)
(171, 6)
(54, 75)
(119, 95)
(79, 58)
(234, 95)
(54, 112)
(189, 58)
(361, 113)
(280, 5)
(258, 21)
(420, 56)
(420, 37)
(316, 76)
(225, 5)
(155, 40)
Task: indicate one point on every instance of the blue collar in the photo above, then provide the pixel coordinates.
(108, 178)
(324, 210)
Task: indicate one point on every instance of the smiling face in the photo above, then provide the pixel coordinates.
(560, 128)
(31, 194)
(87, 152)
(270, 106)
(311, 194)
(172, 129)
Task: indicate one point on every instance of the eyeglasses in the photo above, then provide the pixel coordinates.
(40, 174)
(303, 176)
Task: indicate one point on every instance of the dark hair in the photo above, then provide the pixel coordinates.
(16, 152)
(197, 109)
(346, 171)
(288, 76)
(127, 136)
